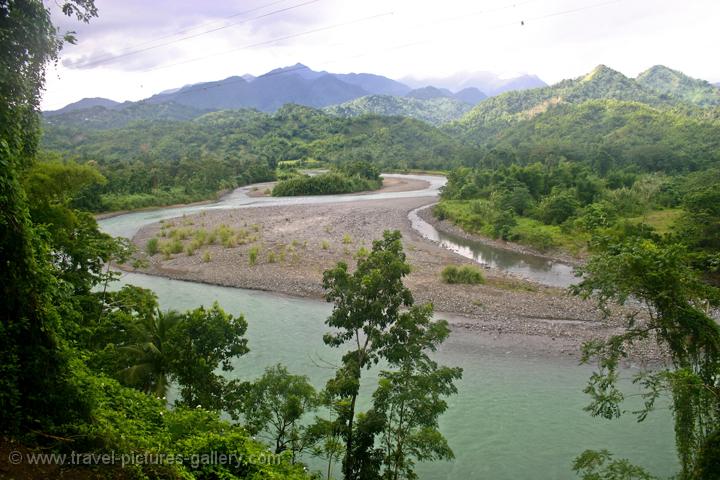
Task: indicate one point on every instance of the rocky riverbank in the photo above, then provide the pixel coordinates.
(286, 249)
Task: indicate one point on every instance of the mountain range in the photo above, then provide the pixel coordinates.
(489, 83)
(294, 84)
(467, 111)
(659, 87)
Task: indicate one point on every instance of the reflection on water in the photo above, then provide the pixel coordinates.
(531, 267)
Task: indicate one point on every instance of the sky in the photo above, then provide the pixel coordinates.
(136, 48)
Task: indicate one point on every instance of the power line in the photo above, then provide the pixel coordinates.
(206, 32)
(196, 27)
(274, 40)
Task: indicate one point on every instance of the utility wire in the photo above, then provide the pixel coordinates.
(274, 40)
(200, 25)
(188, 37)
(210, 85)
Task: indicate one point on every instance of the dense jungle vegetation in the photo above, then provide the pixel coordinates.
(623, 170)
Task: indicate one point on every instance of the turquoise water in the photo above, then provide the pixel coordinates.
(516, 416)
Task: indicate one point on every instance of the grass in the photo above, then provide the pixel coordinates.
(512, 285)
(362, 253)
(661, 220)
(464, 274)
(152, 247)
(253, 255)
(206, 257)
(324, 245)
(347, 239)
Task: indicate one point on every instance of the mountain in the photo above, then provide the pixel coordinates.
(678, 85)
(83, 104)
(102, 118)
(612, 134)
(426, 93)
(375, 84)
(470, 95)
(496, 113)
(487, 82)
(434, 111)
(267, 92)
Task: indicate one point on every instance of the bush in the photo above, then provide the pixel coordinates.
(326, 184)
(558, 207)
(462, 274)
(152, 247)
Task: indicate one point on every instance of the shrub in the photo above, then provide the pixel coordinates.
(462, 274)
(558, 207)
(175, 246)
(206, 257)
(347, 239)
(152, 247)
(324, 245)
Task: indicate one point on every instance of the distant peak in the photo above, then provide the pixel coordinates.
(602, 71)
(660, 70)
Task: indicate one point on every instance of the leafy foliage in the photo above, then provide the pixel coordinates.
(434, 111)
(368, 316)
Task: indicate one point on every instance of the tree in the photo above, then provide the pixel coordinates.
(33, 373)
(368, 316)
(410, 401)
(274, 405)
(151, 356)
(673, 304)
(186, 348)
(205, 340)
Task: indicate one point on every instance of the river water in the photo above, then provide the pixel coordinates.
(517, 415)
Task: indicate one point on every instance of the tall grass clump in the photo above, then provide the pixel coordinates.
(465, 274)
(152, 247)
(253, 255)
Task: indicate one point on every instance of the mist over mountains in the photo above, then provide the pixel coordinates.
(304, 86)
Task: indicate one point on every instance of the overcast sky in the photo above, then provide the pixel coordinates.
(139, 47)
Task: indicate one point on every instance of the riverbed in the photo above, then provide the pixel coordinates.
(519, 411)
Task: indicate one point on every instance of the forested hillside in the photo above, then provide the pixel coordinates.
(601, 154)
(434, 111)
(659, 87)
(161, 162)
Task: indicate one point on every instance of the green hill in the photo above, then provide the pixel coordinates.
(434, 111)
(679, 86)
(160, 162)
(612, 134)
(497, 113)
(100, 117)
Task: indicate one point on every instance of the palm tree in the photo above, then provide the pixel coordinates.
(149, 356)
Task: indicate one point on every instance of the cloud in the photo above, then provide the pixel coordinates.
(560, 39)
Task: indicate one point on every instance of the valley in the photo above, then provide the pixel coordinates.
(246, 271)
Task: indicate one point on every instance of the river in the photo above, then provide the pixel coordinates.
(517, 415)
